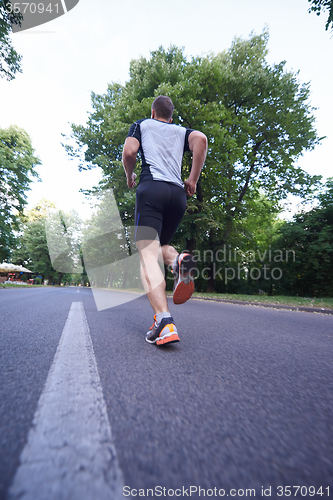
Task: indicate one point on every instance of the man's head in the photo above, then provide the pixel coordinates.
(162, 108)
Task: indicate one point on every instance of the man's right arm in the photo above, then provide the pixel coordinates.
(131, 148)
(198, 144)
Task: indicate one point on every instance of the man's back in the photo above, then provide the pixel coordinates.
(162, 146)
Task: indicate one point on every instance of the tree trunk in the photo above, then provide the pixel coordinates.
(211, 277)
(124, 279)
(191, 244)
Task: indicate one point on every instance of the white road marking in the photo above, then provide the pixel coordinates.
(70, 454)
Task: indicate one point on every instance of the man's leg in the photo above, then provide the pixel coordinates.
(152, 276)
(164, 330)
(169, 254)
(169, 204)
(184, 267)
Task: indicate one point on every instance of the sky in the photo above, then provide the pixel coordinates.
(92, 45)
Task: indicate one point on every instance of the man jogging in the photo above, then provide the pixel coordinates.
(160, 206)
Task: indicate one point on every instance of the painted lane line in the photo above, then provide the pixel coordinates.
(70, 454)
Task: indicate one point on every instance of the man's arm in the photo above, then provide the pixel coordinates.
(198, 145)
(131, 148)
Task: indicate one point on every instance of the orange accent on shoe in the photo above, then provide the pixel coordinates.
(183, 292)
(170, 326)
(180, 260)
(152, 326)
(169, 339)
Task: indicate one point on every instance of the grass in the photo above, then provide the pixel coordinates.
(322, 303)
(15, 285)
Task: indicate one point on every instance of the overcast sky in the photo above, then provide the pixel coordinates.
(93, 44)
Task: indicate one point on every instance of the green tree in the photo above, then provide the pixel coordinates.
(10, 60)
(256, 116)
(31, 248)
(37, 249)
(256, 235)
(63, 234)
(310, 237)
(17, 170)
(244, 263)
(318, 6)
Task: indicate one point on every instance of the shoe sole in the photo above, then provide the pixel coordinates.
(183, 292)
(185, 288)
(170, 339)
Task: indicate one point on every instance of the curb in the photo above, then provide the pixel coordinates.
(274, 306)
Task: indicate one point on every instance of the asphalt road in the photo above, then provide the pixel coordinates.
(243, 402)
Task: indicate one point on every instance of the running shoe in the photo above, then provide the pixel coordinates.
(184, 276)
(162, 333)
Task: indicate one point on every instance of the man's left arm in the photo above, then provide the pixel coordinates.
(130, 151)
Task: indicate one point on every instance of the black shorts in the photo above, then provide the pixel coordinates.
(161, 206)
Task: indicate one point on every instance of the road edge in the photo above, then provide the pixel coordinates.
(270, 305)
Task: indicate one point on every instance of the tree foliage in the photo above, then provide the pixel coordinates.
(39, 248)
(17, 170)
(310, 237)
(318, 6)
(257, 118)
(10, 60)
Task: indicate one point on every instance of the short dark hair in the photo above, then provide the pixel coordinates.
(163, 107)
